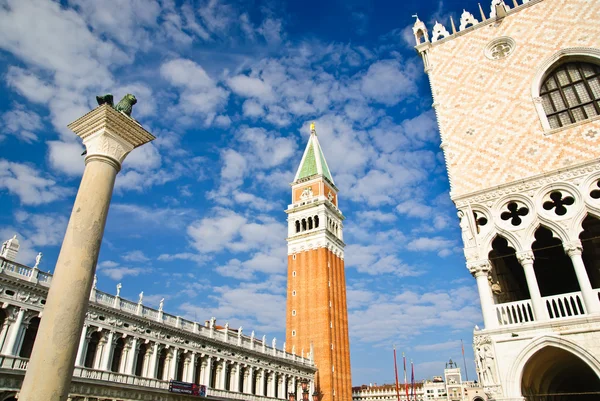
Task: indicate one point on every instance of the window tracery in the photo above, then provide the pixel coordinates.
(571, 93)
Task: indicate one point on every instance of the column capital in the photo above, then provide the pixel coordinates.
(109, 134)
(573, 248)
(525, 257)
(479, 267)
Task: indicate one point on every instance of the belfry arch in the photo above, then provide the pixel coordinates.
(556, 374)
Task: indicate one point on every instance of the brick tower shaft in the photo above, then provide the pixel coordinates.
(317, 316)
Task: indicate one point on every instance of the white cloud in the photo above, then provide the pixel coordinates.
(199, 94)
(143, 158)
(254, 87)
(228, 230)
(251, 108)
(21, 123)
(28, 184)
(426, 244)
(29, 85)
(117, 273)
(200, 259)
(409, 314)
(412, 208)
(66, 157)
(377, 260)
(135, 256)
(125, 23)
(370, 217)
(237, 305)
(388, 82)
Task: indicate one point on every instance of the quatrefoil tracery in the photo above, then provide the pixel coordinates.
(514, 213)
(558, 202)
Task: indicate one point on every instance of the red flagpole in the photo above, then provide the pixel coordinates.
(405, 382)
(396, 370)
(412, 380)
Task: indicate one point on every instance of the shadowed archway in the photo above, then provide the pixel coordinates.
(554, 374)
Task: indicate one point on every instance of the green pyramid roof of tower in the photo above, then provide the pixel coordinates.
(326, 172)
(313, 161)
(309, 167)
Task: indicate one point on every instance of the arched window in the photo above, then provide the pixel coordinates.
(316, 221)
(297, 226)
(303, 224)
(310, 223)
(571, 93)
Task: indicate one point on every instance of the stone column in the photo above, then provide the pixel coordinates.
(526, 259)
(208, 371)
(4, 332)
(272, 384)
(81, 351)
(236, 378)
(108, 351)
(219, 380)
(132, 357)
(154, 362)
(261, 382)
(173, 367)
(191, 368)
(247, 377)
(108, 136)
(13, 333)
(480, 270)
(590, 299)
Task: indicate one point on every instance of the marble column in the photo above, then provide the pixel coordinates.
(4, 332)
(81, 351)
(154, 362)
(236, 378)
(526, 260)
(590, 299)
(261, 382)
(191, 368)
(173, 368)
(480, 269)
(108, 136)
(108, 351)
(13, 333)
(132, 356)
(208, 371)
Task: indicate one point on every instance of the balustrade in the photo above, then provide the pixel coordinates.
(20, 364)
(514, 313)
(565, 305)
(44, 279)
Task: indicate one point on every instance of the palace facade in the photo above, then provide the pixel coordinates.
(516, 91)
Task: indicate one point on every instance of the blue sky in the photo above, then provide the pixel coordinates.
(228, 89)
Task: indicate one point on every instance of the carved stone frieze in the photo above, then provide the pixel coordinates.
(526, 185)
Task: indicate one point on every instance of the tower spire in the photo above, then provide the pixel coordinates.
(313, 161)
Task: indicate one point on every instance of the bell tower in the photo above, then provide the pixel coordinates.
(317, 316)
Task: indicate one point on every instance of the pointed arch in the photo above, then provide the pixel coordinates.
(515, 373)
(557, 231)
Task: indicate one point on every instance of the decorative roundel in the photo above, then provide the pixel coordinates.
(513, 213)
(558, 202)
(499, 48)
